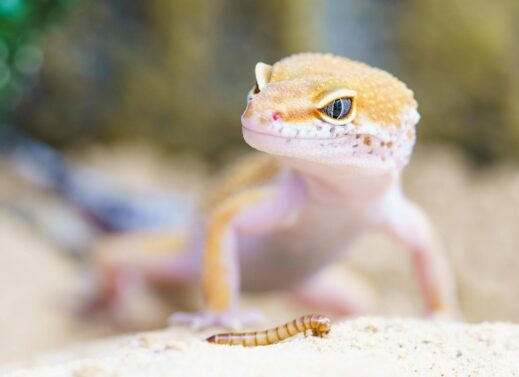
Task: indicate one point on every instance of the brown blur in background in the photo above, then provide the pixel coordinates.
(175, 73)
(151, 92)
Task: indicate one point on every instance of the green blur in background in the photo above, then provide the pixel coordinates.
(176, 72)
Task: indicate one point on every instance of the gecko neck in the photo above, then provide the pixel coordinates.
(339, 183)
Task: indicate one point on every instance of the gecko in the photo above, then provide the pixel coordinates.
(333, 137)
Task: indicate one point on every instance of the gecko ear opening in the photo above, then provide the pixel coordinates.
(263, 73)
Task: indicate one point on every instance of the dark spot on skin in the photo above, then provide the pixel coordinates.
(367, 141)
(357, 136)
(319, 128)
(332, 130)
(297, 132)
(390, 144)
(371, 151)
(382, 144)
(355, 145)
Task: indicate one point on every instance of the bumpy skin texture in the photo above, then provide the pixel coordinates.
(382, 128)
(304, 77)
(283, 217)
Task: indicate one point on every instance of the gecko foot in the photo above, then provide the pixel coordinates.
(447, 315)
(232, 320)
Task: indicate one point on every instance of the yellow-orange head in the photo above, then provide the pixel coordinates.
(332, 110)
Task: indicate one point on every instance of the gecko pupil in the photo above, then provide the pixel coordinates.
(338, 109)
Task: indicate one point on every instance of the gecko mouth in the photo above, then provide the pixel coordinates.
(283, 137)
(365, 139)
(347, 148)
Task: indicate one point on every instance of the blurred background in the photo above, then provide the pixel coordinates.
(149, 93)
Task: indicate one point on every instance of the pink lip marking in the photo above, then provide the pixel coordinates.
(276, 116)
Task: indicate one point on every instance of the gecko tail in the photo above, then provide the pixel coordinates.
(108, 206)
(35, 161)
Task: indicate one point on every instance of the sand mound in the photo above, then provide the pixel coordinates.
(359, 347)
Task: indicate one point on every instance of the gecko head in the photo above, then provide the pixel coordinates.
(330, 110)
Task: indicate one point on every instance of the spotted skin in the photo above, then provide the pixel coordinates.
(304, 77)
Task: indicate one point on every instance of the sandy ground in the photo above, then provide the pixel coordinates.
(476, 213)
(365, 347)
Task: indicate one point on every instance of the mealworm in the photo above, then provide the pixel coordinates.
(317, 323)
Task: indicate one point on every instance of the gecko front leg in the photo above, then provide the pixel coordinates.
(408, 224)
(255, 211)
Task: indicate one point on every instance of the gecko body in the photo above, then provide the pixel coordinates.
(337, 134)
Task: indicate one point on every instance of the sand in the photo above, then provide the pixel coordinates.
(476, 214)
(360, 347)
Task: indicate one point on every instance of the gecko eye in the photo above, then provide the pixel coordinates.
(338, 109)
(337, 106)
(262, 72)
(255, 90)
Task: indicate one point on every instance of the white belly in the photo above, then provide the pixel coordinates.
(286, 257)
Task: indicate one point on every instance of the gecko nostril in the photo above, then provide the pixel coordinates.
(277, 115)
